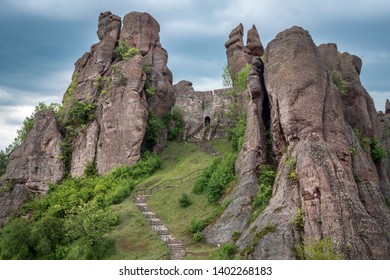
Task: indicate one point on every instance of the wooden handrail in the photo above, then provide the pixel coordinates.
(168, 184)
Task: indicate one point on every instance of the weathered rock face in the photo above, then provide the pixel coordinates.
(252, 155)
(238, 55)
(123, 120)
(32, 165)
(118, 90)
(358, 106)
(339, 193)
(334, 203)
(384, 140)
(97, 61)
(141, 30)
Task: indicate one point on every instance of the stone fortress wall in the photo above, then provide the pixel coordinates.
(204, 112)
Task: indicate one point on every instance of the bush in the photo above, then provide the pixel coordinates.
(220, 178)
(154, 127)
(175, 124)
(322, 249)
(341, 84)
(15, 242)
(184, 200)
(236, 134)
(377, 151)
(227, 251)
(72, 221)
(197, 237)
(197, 225)
(298, 219)
(124, 51)
(266, 180)
(90, 169)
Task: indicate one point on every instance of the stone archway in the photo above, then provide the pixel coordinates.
(207, 121)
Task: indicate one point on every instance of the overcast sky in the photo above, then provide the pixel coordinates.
(41, 39)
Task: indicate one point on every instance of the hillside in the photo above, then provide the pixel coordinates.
(304, 175)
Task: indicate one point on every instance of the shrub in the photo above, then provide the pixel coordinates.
(154, 127)
(377, 151)
(322, 249)
(298, 219)
(175, 124)
(340, 83)
(15, 242)
(236, 134)
(197, 237)
(184, 200)
(266, 180)
(221, 176)
(197, 225)
(227, 251)
(124, 51)
(235, 235)
(90, 169)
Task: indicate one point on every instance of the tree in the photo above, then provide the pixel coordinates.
(90, 222)
(3, 162)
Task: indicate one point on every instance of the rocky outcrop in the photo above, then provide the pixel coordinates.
(358, 106)
(252, 155)
(97, 61)
(32, 165)
(123, 91)
(238, 55)
(123, 119)
(384, 140)
(322, 171)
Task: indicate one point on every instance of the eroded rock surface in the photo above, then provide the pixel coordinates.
(32, 165)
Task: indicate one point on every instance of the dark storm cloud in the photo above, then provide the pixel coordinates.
(41, 40)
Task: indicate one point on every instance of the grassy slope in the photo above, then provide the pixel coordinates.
(134, 238)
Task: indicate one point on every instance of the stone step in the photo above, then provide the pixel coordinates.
(143, 207)
(150, 215)
(155, 222)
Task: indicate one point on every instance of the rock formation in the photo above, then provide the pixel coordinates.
(337, 191)
(384, 140)
(118, 90)
(238, 55)
(115, 91)
(32, 165)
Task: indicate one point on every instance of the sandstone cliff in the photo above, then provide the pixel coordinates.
(104, 112)
(324, 177)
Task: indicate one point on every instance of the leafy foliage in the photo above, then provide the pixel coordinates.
(175, 124)
(78, 116)
(322, 249)
(370, 144)
(341, 84)
(298, 219)
(215, 178)
(227, 251)
(3, 162)
(73, 219)
(184, 200)
(124, 51)
(227, 80)
(236, 134)
(266, 180)
(154, 127)
(239, 83)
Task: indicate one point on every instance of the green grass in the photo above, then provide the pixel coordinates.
(135, 239)
(177, 160)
